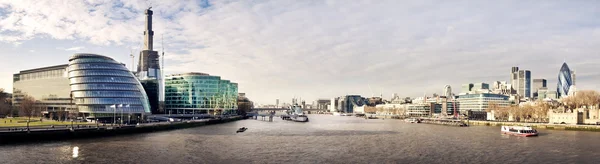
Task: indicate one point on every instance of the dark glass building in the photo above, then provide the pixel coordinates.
(564, 81)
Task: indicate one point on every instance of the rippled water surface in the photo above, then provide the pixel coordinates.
(325, 139)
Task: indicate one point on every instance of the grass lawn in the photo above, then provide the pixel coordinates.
(22, 122)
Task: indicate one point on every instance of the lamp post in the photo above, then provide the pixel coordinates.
(128, 110)
(121, 119)
(114, 114)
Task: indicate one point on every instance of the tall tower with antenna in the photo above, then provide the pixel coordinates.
(148, 69)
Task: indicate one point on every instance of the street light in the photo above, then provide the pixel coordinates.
(121, 120)
(114, 114)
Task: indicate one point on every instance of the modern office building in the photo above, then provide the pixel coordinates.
(199, 93)
(439, 104)
(481, 86)
(472, 88)
(448, 92)
(148, 70)
(565, 80)
(501, 87)
(346, 104)
(537, 85)
(102, 88)
(49, 86)
(521, 81)
(514, 74)
(466, 88)
(480, 102)
(322, 104)
(92, 86)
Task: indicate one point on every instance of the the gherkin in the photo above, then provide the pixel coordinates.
(564, 80)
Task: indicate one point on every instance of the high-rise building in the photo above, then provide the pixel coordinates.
(514, 76)
(501, 87)
(480, 86)
(573, 76)
(448, 92)
(276, 103)
(148, 70)
(466, 88)
(521, 81)
(472, 88)
(537, 84)
(565, 80)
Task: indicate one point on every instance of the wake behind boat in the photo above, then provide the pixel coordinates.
(524, 131)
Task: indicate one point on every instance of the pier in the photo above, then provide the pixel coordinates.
(442, 121)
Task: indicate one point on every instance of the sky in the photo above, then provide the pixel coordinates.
(280, 49)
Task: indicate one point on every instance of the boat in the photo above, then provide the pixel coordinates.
(524, 131)
(412, 120)
(295, 114)
(243, 129)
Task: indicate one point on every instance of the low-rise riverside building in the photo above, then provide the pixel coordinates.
(578, 116)
(481, 101)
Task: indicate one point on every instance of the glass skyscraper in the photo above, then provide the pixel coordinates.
(102, 88)
(565, 80)
(199, 93)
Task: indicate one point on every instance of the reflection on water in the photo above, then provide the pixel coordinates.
(325, 139)
(75, 152)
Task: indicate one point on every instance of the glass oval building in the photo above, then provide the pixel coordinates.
(103, 88)
(564, 81)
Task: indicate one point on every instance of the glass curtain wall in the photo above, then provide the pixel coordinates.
(198, 93)
(104, 89)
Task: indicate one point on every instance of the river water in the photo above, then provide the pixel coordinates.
(325, 139)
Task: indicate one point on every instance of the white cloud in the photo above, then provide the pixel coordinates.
(277, 49)
(75, 48)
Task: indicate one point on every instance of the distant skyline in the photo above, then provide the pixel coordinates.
(281, 49)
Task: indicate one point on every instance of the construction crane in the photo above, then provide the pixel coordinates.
(132, 60)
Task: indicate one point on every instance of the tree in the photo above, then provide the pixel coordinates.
(586, 98)
(5, 103)
(28, 108)
(540, 110)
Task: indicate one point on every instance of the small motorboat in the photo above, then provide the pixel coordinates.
(243, 129)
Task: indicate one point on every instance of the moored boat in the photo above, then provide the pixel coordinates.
(524, 131)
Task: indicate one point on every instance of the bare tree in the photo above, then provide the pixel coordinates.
(5, 104)
(28, 108)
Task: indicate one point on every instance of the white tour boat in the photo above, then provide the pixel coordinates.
(525, 131)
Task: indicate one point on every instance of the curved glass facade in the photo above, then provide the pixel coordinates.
(564, 81)
(194, 93)
(99, 83)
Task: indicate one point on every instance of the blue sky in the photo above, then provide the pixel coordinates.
(317, 49)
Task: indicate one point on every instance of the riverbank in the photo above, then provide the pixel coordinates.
(10, 137)
(594, 128)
